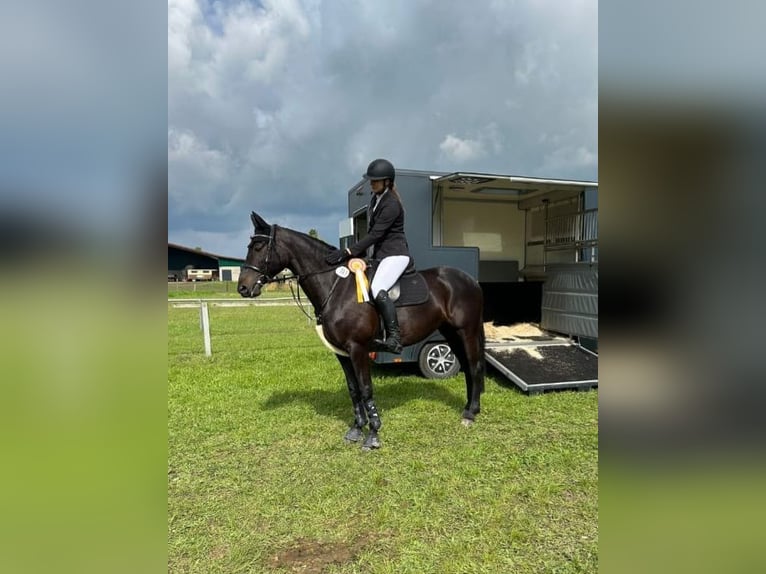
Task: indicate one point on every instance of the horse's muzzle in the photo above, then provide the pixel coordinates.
(246, 291)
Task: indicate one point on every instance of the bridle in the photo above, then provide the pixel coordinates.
(265, 277)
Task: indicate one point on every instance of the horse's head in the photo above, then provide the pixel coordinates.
(262, 261)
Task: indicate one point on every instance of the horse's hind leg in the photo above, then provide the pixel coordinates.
(458, 347)
(474, 344)
(354, 433)
(471, 355)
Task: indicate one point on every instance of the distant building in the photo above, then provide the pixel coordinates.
(188, 264)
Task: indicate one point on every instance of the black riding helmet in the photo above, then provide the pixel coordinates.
(380, 169)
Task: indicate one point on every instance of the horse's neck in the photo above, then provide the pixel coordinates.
(306, 256)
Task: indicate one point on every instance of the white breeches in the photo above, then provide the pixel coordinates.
(389, 270)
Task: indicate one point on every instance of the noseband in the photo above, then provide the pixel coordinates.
(265, 277)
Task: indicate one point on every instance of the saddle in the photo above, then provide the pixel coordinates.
(410, 289)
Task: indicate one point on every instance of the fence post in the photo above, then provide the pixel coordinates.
(205, 319)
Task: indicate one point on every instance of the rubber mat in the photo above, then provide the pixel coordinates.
(544, 365)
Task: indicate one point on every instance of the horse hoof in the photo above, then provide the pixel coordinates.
(371, 443)
(354, 434)
(466, 422)
(469, 414)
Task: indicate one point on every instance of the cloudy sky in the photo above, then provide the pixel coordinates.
(278, 106)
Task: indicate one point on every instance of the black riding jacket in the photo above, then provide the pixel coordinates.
(385, 229)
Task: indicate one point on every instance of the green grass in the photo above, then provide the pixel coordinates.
(259, 479)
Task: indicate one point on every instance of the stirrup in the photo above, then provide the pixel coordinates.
(387, 346)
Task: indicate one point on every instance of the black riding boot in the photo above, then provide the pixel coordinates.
(393, 342)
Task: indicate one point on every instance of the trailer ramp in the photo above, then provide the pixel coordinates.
(539, 363)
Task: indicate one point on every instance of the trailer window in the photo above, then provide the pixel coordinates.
(360, 226)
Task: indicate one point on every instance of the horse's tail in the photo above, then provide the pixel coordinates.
(482, 361)
(482, 337)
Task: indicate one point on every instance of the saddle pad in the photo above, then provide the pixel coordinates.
(411, 289)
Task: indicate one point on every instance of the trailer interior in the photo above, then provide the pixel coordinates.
(538, 261)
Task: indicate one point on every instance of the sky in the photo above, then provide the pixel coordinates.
(278, 106)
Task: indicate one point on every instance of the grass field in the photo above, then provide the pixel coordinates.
(259, 479)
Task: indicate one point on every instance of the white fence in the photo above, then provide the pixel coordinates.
(269, 302)
(204, 316)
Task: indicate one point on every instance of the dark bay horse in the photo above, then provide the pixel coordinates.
(454, 307)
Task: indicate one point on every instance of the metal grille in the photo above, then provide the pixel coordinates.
(573, 231)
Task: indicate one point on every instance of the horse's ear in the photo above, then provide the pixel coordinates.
(258, 221)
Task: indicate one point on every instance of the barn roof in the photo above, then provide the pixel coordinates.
(199, 251)
(193, 251)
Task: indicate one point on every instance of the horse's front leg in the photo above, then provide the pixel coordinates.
(361, 364)
(354, 433)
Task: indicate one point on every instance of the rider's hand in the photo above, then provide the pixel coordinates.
(337, 256)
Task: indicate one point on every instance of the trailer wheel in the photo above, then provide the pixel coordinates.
(437, 361)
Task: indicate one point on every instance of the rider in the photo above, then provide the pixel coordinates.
(385, 234)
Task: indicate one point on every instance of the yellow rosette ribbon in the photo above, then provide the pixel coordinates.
(357, 266)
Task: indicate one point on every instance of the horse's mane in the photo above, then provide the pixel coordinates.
(316, 241)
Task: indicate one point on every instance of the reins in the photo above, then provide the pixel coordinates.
(266, 278)
(297, 297)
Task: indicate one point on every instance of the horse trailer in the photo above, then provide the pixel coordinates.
(201, 274)
(531, 243)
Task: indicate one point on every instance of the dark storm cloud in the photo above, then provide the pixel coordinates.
(279, 106)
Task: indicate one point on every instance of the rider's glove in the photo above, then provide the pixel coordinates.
(337, 256)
